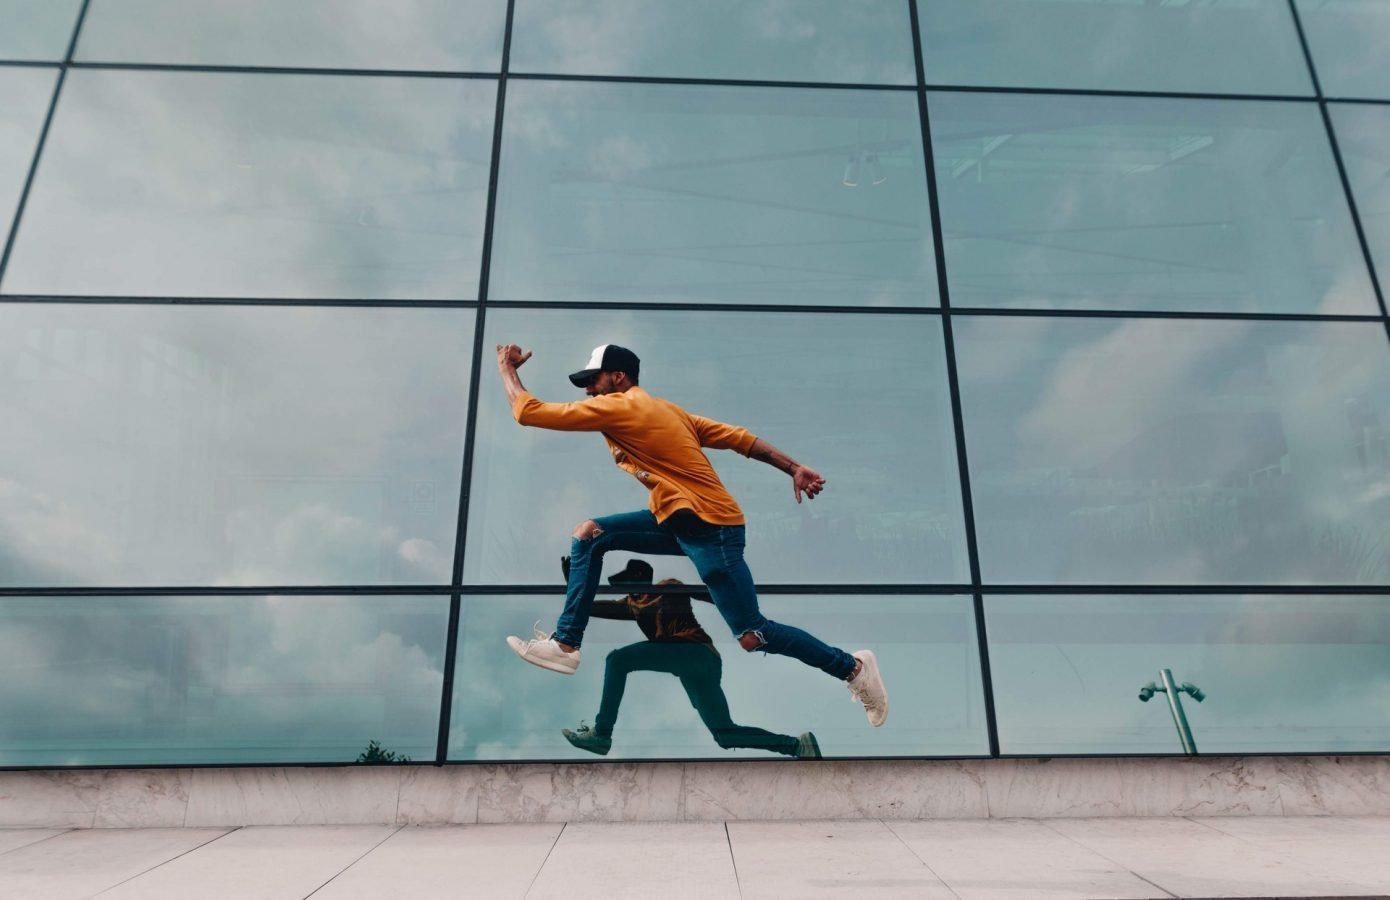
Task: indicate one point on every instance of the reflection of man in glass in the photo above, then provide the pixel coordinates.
(677, 645)
(690, 512)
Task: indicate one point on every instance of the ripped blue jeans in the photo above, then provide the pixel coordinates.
(717, 552)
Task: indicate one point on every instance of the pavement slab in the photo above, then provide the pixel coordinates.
(79, 864)
(669, 860)
(1017, 859)
(450, 861)
(271, 862)
(935, 859)
(1190, 859)
(835, 859)
(14, 838)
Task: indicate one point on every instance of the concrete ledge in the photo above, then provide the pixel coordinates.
(698, 791)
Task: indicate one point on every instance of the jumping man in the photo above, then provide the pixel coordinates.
(677, 645)
(690, 513)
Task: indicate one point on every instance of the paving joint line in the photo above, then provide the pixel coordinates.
(894, 832)
(163, 863)
(733, 860)
(541, 867)
(1114, 862)
(364, 855)
(60, 833)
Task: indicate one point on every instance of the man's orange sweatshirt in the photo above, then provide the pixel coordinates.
(655, 441)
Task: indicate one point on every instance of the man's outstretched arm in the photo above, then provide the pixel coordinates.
(509, 359)
(804, 478)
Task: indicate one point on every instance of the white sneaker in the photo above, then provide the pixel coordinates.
(545, 652)
(867, 688)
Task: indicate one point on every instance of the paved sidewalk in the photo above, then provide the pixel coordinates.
(974, 859)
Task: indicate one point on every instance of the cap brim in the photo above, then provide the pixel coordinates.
(627, 576)
(581, 378)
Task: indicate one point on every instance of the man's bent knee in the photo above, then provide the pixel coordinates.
(587, 531)
(751, 640)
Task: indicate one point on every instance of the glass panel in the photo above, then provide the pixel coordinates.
(1363, 136)
(37, 29)
(813, 385)
(443, 35)
(229, 445)
(1243, 47)
(239, 185)
(1145, 204)
(919, 641)
(1159, 451)
(99, 681)
(1349, 40)
(849, 41)
(659, 192)
(27, 93)
(1285, 674)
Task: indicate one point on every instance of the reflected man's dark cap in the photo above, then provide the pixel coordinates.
(607, 358)
(638, 571)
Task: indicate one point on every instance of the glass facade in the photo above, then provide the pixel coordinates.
(166, 184)
(711, 193)
(1220, 47)
(1077, 305)
(36, 30)
(413, 35)
(1300, 674)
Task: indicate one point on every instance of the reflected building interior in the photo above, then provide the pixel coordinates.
(1078, 305)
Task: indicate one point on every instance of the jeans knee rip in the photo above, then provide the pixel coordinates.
(762, 641)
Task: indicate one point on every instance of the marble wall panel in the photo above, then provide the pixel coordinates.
(142, 798)
(833, 790)
(55, 799)
(446, 795)
(617, 792)
(698, 791)
(1340, 786)
(1066, 788)
(294, 796)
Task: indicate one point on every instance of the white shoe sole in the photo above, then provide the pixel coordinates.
(871, 671)
(563, 666)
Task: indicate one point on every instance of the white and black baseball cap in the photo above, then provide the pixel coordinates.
(607, 358)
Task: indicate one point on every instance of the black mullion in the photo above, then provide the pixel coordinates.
(1187, 589)
(710, 82)
(1355, 213)
(43, 139)
(446, 699)
(801, 309)
(644, 79)
(818, 589)
(1370, 101)
(345, 302)
(1108, 92)
(551, 761)
(952, 378)
(1341, 166)
(76, 32)
(1162, 314)
(650, 306)
(1307, 51)
(31, 63)
(315, 590)
(279, 70)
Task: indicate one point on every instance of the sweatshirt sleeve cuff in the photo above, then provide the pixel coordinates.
(745, 446)
(520, 403)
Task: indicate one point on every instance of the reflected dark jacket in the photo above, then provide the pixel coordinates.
(663, 618)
